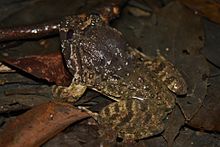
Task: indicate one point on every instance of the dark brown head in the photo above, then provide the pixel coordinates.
(90, 46)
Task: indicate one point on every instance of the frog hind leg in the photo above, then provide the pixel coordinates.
(131, 120)
(68, 94)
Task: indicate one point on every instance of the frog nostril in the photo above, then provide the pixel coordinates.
(69, 34)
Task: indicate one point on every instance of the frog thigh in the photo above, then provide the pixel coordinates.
(69, 94)
(131, 119)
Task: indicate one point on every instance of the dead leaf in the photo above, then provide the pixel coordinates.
(49, 67)
(10, 78)
(42, 11)
(206, 8)
(190, 138)
(211, 49)
(195, 70)
(39, 124)
(175, 121)
(76, 135)
(158, 141)
(210, 109)
(174, 27)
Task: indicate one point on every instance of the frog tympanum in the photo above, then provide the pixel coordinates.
(100, 59)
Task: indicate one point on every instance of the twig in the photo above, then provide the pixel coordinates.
(27, 32)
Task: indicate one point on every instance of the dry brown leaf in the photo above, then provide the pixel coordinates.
(48, 66)
(175, 121)
(207, 118)
(39, 124)
(206, 8)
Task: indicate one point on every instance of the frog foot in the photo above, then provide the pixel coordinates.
(69, 94)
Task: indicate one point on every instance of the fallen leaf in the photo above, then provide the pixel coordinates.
(195, 70)
(175, 121)
(39, 124)
(211, 49)
(49, 67)
(42, 11)
(76, 135)
(158, 141)
(190, 138)
(210, 109)
(10, 78)
(206, 8)
(174, 27)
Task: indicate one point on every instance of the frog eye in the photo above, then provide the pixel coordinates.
(69, 34)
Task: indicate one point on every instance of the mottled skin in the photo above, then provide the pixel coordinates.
(100, 59)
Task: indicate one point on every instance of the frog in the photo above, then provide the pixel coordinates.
(143, 88)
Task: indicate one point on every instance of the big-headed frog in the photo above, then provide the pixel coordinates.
(100, 59)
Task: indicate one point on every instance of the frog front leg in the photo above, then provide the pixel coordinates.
(68, 94)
